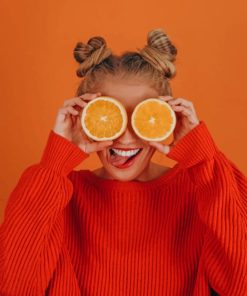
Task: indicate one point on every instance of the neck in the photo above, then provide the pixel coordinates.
(152, 171)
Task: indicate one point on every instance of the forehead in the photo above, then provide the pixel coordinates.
(128, 92)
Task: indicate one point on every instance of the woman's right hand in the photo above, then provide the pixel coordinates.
(68, 124)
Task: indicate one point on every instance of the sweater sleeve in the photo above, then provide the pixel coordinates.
(31, 234)
(221, 190)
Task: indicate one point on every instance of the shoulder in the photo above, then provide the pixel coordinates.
(76, 175)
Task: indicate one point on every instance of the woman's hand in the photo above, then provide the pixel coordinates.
(186, 121)
(68, 124)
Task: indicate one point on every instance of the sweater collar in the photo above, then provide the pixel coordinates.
(128, 186)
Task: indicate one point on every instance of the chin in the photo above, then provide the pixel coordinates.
(124, 175)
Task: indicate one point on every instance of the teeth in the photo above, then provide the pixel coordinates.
(126, 153)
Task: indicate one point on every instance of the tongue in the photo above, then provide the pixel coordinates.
(118, 159)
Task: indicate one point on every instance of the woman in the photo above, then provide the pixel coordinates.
(142, 230)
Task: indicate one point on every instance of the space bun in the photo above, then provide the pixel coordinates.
(160, 52)
(91, 54)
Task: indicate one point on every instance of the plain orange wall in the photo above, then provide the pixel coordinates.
(38, 68)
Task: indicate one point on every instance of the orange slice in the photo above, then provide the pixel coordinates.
(153, 120)
(104, 118)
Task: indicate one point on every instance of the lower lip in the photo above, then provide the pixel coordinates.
(129, 163)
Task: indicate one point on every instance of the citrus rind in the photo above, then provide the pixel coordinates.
(122, 110)
(171, 128)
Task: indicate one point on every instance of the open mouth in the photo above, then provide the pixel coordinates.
(121, 158)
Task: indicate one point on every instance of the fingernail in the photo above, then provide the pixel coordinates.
(166, 149)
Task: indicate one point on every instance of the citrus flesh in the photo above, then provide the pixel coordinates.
(153, 120)
(104, 118)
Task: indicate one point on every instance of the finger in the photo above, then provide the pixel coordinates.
(177, 101)
(160, 147)
(97, 146)
(182, 109)
(62, 114)
(89, 96)
(78, 123)
(186, 112)
(182, 102)
(79, 99)
(68, 110)
(166, 98)
(73, 102)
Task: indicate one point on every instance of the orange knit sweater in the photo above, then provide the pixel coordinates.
(68, 232)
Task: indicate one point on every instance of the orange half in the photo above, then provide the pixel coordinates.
(153, 120)
(104, 118)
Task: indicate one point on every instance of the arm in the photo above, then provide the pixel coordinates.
(222, 206)
(31, 234)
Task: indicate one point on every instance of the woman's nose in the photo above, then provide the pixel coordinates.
(128, 135)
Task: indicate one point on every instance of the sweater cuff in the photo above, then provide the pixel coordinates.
(196, 146)
(61, 154)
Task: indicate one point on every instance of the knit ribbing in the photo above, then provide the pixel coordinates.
(61, 155)
(69, 232)
(31, 235)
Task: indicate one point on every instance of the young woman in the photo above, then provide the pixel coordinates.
(142, 230)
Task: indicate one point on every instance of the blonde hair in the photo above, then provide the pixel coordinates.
(154, 63)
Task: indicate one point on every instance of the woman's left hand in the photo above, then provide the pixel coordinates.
(186, 121)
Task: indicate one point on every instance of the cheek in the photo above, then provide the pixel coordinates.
(148, 153)
(151, 151)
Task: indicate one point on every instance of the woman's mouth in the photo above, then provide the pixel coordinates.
(123, 158)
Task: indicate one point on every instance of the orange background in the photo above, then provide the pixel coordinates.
(38, 68)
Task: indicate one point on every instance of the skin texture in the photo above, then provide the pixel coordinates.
(131, 92)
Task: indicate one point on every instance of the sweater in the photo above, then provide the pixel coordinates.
(69, 232)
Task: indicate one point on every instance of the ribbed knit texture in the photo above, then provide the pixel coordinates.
(68, 232)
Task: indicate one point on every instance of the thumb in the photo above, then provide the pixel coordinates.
(102, 145)
(165, 149)
(98, 146)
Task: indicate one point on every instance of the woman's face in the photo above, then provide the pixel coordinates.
(129, 92)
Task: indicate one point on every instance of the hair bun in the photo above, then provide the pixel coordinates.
(90, 54)
(160, 52)
(158, 39)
